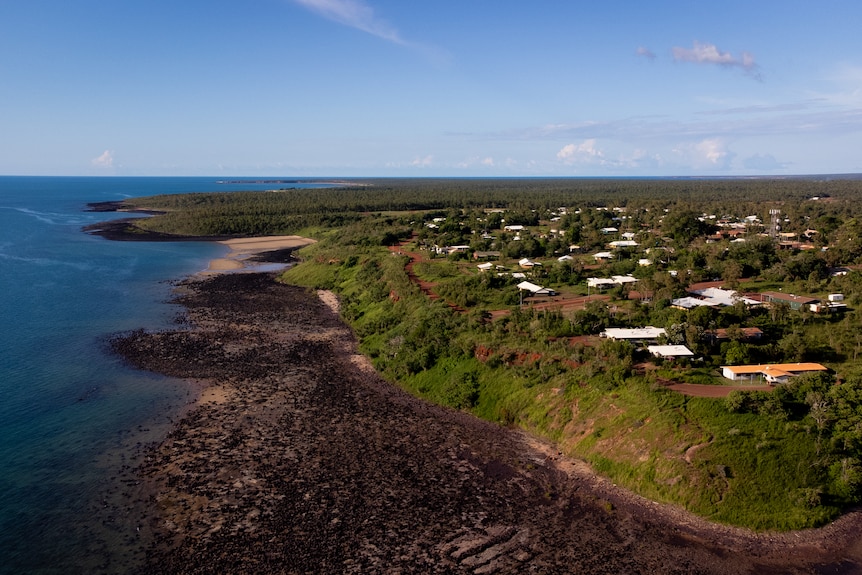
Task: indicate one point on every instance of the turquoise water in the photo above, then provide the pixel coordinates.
(73, 418)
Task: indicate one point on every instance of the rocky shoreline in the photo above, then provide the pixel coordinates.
(300, 459)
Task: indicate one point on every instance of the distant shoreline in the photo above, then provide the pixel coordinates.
(344, 183)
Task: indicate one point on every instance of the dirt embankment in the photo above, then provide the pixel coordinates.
(302, 461)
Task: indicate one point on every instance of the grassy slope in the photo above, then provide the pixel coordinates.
(742, 469)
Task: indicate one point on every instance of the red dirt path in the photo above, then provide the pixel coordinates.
(696, 390)
(556, 303)
(568, 303)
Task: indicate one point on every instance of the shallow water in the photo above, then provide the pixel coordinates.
(72, 416)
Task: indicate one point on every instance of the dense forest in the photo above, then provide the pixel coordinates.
(404, 257)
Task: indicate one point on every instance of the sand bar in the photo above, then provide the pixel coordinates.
(244, 248)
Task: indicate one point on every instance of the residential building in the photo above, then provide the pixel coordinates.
(773, 373)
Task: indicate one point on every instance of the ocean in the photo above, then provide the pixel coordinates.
(74, 419)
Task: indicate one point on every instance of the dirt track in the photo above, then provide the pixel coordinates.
(304, 461)
(696, 390)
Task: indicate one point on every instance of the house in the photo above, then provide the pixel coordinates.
(834, 303)
(514, 228)
(623, 244)
(670, 351)
(485, 267)
(746, 333)
(535, 289)
(527, 263)
(603, 256)
(773, 373)
(689, 303)
(565, 258)
(600, 283)
(448, 250)
(723, 297)
(648, 333)
(794, 301)
(479, 255)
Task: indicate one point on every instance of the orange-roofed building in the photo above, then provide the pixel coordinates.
(773, 373)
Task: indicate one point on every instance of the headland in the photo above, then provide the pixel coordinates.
(301, 459)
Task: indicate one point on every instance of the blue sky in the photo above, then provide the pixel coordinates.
(422, 88)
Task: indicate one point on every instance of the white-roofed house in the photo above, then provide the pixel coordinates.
(623, 244)
(600, 283)
(718, 296)
(535, 289)
(603, 256)
(690, 303)
(670, 351)
(646, 334)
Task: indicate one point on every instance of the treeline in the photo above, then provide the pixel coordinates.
(292, 209)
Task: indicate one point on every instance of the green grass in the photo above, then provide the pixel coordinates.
(743, 469)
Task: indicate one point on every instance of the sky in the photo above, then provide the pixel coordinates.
(472, 88)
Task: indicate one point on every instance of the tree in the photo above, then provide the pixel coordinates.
(684, 225)
(731, 273)
(819, 410)
(779, 311)
(793, 347)
(736, 353)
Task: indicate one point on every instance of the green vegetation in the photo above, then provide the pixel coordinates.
(400, 254)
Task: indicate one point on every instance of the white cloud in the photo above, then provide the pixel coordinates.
(586, 151)
(646, 53)
(711, 153)
(106, 160)
(422, 162)
(355, 14)
(792, 119)
(359, 15)
(710, 54)
(473, 161)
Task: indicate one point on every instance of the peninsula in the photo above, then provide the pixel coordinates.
(433, 322)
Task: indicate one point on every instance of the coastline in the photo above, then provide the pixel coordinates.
(244, 252)
(299, 457)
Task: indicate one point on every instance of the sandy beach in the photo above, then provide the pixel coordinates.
(301, 459)
(243, 249)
